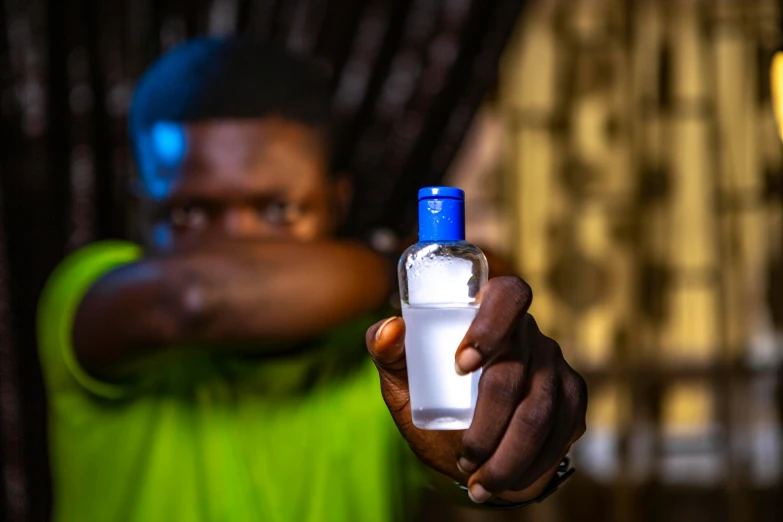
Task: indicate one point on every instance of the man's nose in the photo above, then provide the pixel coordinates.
(244, 222)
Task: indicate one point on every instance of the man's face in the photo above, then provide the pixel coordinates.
(244, 180)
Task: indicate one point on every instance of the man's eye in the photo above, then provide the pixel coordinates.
(281, 212)
(193, 216)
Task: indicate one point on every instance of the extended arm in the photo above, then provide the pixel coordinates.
(227, 296)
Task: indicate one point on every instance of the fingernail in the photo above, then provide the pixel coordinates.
(478, 494)
(468, 361)
(465, 466)
(380, 330)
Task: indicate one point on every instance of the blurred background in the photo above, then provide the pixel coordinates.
(622, 154)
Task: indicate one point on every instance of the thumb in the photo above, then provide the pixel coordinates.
(386, 343)
(437, 449)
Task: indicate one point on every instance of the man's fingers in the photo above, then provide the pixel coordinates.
(530, 492)
(501, 389)
(504, 300)
(570, 427)
(544, 426)
(527, 434)
(386, 343)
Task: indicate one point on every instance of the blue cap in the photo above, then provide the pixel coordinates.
(441, 214)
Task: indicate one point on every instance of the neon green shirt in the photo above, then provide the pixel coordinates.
(216, 435)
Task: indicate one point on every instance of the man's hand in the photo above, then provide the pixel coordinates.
(531, 403)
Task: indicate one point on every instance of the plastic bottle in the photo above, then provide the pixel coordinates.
(440, 278)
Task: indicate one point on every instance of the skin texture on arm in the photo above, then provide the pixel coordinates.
(236, 295)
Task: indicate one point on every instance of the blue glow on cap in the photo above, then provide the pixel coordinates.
(441, 214)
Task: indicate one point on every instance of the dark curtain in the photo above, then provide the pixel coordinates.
(408, 78)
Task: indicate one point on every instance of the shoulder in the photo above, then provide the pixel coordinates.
(102, 255)
(78, 271)
(87, 264)
(63, 293)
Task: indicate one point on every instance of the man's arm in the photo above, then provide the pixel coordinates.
(231, 295)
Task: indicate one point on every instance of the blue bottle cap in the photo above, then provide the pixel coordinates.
(441, 193)
(441, 214)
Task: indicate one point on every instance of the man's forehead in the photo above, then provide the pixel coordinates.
(229, 147)
(171, 141)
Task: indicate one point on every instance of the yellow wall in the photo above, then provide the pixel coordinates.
(639, 214)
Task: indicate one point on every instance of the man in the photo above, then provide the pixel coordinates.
(213, 374)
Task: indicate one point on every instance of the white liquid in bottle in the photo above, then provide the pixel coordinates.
(440, 399)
